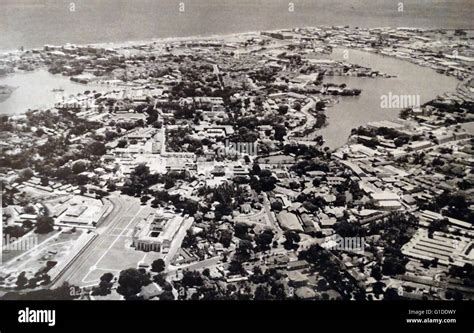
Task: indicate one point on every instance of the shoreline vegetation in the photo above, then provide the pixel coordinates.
(6, 91)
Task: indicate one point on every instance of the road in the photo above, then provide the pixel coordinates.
(207, 263)
(310, 120)
(267, 206)
(178, 240)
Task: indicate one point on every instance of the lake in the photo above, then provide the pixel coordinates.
(352, 112)
(35, 90)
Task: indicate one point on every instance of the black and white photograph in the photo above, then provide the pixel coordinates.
(211, 159)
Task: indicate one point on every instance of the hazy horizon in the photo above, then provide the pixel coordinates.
(33, 23)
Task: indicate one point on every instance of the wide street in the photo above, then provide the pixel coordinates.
(106, 252)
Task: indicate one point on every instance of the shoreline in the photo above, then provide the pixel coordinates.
(136, 42)
(6, 91)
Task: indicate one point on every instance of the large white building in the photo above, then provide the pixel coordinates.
(157, 231)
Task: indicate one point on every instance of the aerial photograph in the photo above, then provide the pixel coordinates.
(259, 153)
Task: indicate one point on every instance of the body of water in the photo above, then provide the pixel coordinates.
(35, 90)
(352, 112)
(33, 23)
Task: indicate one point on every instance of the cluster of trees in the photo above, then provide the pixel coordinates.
(398, 138)
(247, 127)
(95, 148)
(190, 240)
(465, 273)
(5, 124)
(395, 231)
(56, 154)
(41, 277)
(63, 119)
(44, 224)
(302, 151)
(192, 279)
(305, 166)
(244, 134)
(212, 234)
(454, 205)
(56, 147)
(346, 229)
(196, 82)
(262, 180)
(322, 261)
(438, 225)
(280, 132)
(16, 231)
(56, 150)
(292, 238)
(158, 266)
(63, 174)
(63, 293)
(105, 285)
(270, 285)
(243, 231)
(264, 74)
(18, 161)
(228, 195)
(264, 240)
(312, 203)
(185, 112)
(186, 205)
(140, 179)
(180, 140)
(394, 261)
(131, 282)
(246, 249)
(455, 108)
(320, 119)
